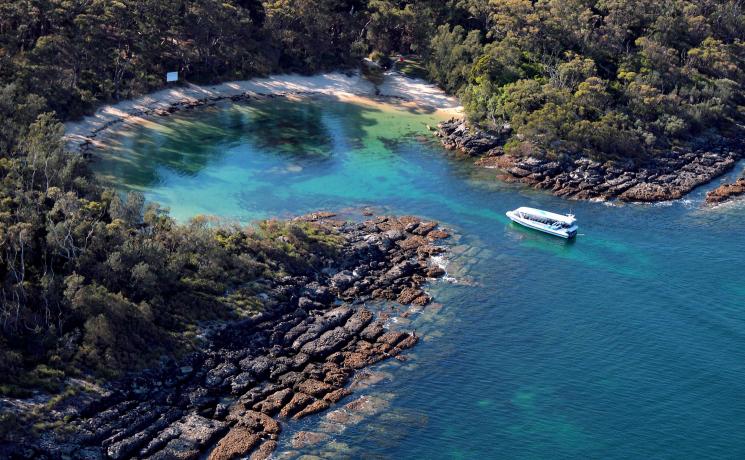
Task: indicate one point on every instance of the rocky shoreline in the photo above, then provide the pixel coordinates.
(726, 192)
(665, 177)
(294, 359)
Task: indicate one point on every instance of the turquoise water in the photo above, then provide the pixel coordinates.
(626, 343)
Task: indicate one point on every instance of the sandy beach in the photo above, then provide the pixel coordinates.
(395, 89)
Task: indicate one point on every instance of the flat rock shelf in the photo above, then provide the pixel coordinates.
(666, 176)
(290, 361)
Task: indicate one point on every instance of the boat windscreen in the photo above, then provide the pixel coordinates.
(544, 220)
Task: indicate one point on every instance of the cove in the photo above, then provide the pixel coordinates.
(626, 343)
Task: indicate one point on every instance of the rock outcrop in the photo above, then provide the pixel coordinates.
(666, 176)
(288, 362)
(726, 192)
(458, 135)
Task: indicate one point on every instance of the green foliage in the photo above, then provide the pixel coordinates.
(312, 35)
(96, 282)
(67, 56)
(452, 53)
(93, 281)
(605, 77)
(110, 285)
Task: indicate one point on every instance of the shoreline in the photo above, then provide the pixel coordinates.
(396, 90)
(726, 192)
(664, 178)
(667, 176)
(298, 357)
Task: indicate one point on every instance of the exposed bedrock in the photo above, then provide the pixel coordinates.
(293, 360)
(726, 192)
(666, 176)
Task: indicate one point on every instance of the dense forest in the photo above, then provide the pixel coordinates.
(98, 283)
(90, 279)
(608, 78)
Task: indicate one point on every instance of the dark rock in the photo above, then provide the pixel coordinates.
(189, 435)
(372, 331)
(273, 403)
(258, 366)
(264, 451)
(314, 387)
(665, 176)
(342, 280)
(358, 321)
(329, 342)
(294, 358)
(217, 376)
(312, 408)
(298, 402)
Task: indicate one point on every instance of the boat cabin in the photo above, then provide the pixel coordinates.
(545, 221)
(545, 217)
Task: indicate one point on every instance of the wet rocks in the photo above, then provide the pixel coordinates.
(665, 176)
(274, 402)
(413, 295)
(264, 451)
(314, 387)
(726, 192)
(185, 438)
(238, 442)
(662, 178)
(229, 400)
(249, 430)
(456, 134)
(308, 438)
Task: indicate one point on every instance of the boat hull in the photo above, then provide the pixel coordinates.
(561, 233)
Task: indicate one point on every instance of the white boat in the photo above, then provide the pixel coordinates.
(561, 225)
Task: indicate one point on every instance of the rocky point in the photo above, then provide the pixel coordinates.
(666, 176)
(726, 192)
(296, 358)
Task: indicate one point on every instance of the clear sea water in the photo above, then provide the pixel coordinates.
(626, 343)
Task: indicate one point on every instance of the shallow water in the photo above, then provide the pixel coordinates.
(626, 343)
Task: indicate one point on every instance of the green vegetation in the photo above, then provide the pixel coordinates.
(94, 282)
(412, 68)
(101, 283)
(97, 283)
(609, 78)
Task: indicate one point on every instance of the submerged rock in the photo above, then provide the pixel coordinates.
(305, 439)
(289, 362)
(664, 176)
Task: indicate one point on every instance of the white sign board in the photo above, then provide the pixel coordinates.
(172, 76)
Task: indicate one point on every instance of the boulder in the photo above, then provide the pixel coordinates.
(305, 439)
(726, 192)
(274, 402)
(314, 387)
(298, 402)
(237, 443)
(312, 408)
(264, 451)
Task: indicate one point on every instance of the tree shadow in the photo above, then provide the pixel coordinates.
(307, 130)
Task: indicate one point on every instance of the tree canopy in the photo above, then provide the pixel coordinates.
(608, 78)
(90, 278)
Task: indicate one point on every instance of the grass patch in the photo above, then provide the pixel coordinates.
(412, 68)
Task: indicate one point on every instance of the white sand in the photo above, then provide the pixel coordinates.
(396, 89)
